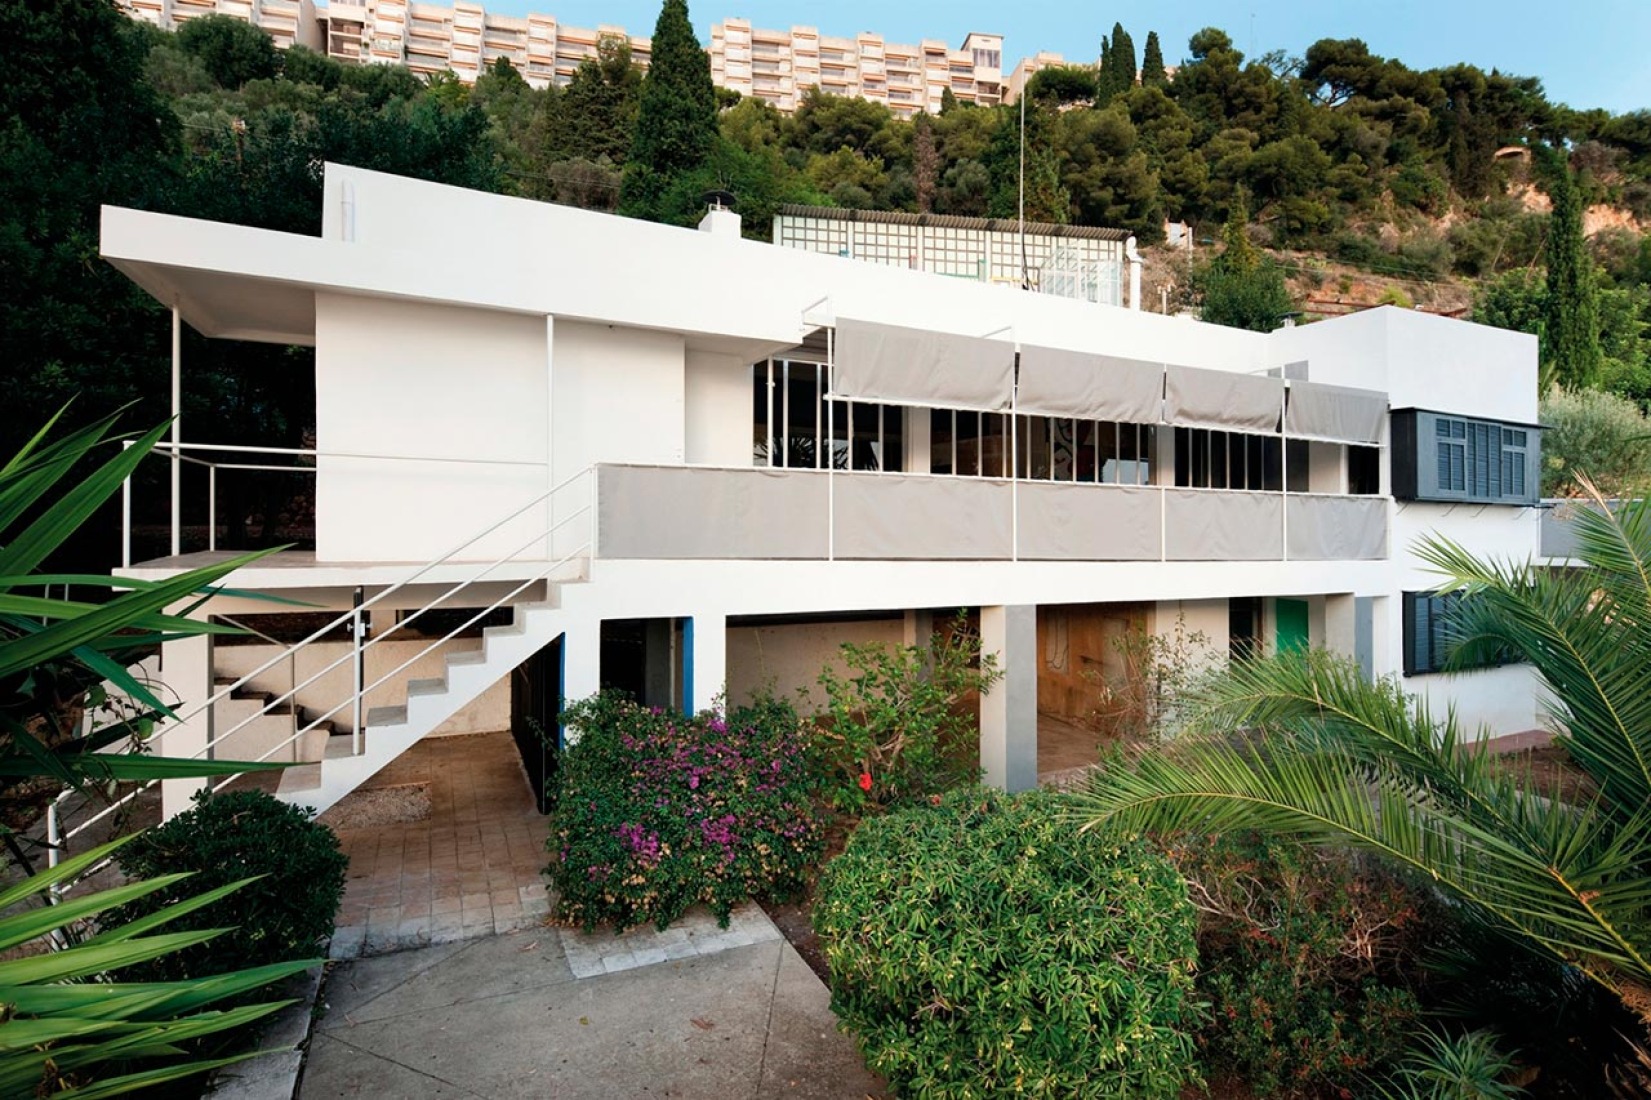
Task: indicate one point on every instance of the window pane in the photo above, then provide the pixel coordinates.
(940, 441)
(761, 445)
(968, 444)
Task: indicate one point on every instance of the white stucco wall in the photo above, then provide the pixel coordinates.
(788, 659)
(431, 381)
(718, 401)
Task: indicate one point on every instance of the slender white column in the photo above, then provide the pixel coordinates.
(709, 653)
(1009, 712)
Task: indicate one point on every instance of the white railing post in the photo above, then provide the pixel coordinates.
(212, 507)
(126, 517)
(357, 733)
(53, 840)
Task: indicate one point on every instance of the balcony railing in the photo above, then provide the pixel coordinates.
(697, 512)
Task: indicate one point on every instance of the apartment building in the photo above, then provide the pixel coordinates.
(737, 456)
(289, 22)
(1025, 68)
(463, 39)
(778, 66)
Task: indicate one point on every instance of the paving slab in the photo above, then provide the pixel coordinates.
(506, 1017)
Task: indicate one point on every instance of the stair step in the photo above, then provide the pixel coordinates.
(387, 716)
(467, 657)
(339, 747)
(431, 686)
(300, 777)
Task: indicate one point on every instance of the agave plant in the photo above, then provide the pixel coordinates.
(53, 651)
(1305, 745)
(64, 1023)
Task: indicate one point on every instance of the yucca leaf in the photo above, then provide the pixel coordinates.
(147, 923)
(65, 871)
(59, 638)
(20, 928)
(141, 1000)
(85, 962)
(126, 1084)
(138, 767)
(26, 550)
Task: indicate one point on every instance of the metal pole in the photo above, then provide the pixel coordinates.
(53, 841)
(177, 429)
(1025, 273)
(356, 631)
(126, 517)
(212, 507)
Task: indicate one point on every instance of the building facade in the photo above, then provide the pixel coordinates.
(774, 66)
(736, 456)
(778, 66)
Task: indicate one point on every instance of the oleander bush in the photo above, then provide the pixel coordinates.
(899, 725)
(981, 946)
(656, 811)
(286, 912)
(1308, 960)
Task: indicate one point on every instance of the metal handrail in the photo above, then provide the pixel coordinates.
(353, 617)
(292, 668)
(361, 693)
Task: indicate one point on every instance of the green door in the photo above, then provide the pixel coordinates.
(1291, 616)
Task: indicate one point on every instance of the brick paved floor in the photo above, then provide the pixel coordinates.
(472, 869)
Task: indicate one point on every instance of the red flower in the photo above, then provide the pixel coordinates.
(865, 781)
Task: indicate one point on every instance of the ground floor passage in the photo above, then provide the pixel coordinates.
(1077, 676)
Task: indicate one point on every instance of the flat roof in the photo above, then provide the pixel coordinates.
(956, 221)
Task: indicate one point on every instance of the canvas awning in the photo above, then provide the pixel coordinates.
(1335, 413)
(1222, 399)
(908, 366)
(1054, 382)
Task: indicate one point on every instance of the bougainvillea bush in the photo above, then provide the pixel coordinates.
(984, 947)
(657, 811)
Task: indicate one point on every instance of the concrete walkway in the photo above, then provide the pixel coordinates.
(695, 1012)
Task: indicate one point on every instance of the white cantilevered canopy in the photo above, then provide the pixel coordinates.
(1219, 399)
(1335, 413)
(907, 366)
(1088, 386)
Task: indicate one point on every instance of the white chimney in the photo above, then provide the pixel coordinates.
(720, 221)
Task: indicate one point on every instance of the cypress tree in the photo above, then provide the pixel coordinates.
(1570, 345)
(1123, 51)
(1103, 73)
(1152, 63)
(676, 119)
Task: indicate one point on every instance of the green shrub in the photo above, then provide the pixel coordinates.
(286, 914)
(1249, 298)
(985, 947)
(1306, 961)
(1599, 435)
(656, 811)
(899, 729)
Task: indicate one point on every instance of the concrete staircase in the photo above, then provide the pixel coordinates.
(330, 767)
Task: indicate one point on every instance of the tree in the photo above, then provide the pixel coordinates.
(1570, 348)
(1339, 759)
(1123, 59)
(1153, 73)
(676, 120)
(925, 163)
(594, 118)
(1062, 84)
(82, 127)
(232, 50)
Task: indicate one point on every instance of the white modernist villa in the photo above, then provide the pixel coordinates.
(692, 464)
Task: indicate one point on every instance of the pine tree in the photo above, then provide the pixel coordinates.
(1153, 72)
(676, 120)
(1570, 347)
